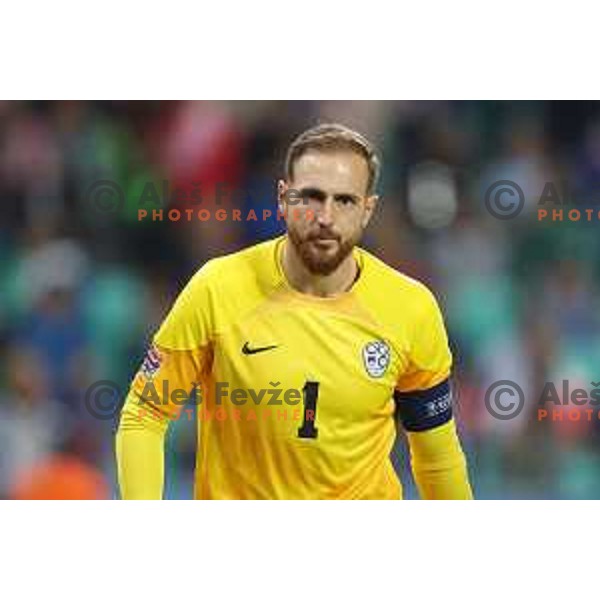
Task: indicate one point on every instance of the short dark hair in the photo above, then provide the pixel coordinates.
(333, 136)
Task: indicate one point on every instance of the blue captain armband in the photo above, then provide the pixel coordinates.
(425, 409)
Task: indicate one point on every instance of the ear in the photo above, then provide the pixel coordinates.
(370, 205)
(282, 188)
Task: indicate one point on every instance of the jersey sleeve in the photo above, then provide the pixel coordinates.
(423, 395)
(181, 352)
(430, 359)
(424, 401)
(175, 363)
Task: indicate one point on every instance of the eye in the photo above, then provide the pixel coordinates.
(345, 199)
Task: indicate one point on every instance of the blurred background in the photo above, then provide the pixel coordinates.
(84, 286)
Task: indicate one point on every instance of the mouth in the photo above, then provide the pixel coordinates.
(324, 242)
(319, 236)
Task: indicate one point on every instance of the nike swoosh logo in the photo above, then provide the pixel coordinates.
(247, 350)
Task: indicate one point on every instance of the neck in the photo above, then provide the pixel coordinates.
(302, 280)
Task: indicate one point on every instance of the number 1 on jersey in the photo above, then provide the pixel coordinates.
(311, 393)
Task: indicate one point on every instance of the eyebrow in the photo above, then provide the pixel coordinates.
(313, 192)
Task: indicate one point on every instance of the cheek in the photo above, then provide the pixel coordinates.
(351, 222)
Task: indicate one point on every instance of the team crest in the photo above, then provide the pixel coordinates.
(376, 356)
(152, 362)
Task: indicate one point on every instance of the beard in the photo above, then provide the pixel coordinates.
(322, 260)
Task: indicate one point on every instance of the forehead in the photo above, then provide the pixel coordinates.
(332, 171)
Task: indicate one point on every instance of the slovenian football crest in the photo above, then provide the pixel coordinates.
(376, 356)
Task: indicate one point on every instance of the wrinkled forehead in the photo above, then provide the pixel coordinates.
(332, 171)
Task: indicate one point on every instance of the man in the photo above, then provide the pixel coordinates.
(301, 344)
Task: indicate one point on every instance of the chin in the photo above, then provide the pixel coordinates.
(319, 263)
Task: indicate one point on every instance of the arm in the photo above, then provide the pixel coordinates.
(437, 459)
(146, 416)
(179, 358)
(140, 451)
(424, 402)
(438, 464)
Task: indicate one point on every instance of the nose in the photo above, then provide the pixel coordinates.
(324, 215)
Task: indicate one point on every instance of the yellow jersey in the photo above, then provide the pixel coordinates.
(295, 393)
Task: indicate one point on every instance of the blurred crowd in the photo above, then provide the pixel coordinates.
(84, 283)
